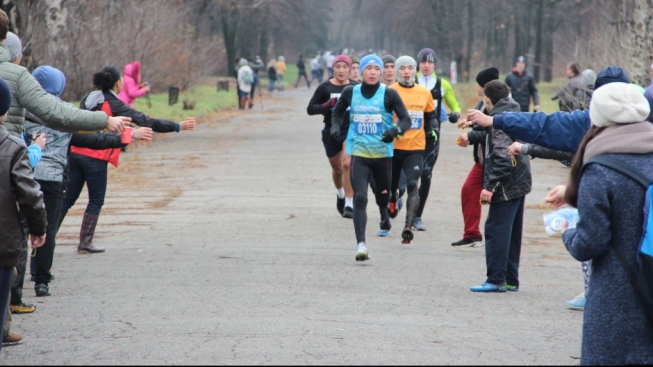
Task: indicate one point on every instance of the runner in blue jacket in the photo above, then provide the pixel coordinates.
(559, 131)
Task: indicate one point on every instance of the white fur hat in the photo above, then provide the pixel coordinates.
(618, 103)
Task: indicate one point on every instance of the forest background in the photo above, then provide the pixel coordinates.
(181, 41)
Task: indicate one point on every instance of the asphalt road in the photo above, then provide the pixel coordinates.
(224, 247)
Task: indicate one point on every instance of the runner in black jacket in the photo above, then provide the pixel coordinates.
(323, 101)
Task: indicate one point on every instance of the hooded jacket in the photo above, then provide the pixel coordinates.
(28, 94)
(506, 181)
(17, 185)
(131, 79)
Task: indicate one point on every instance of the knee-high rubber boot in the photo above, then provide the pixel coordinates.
(86, 235)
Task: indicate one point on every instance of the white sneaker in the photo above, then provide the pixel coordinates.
(361, 252)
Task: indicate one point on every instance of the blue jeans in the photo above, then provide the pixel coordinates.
(271, 87)
(90, 171)
(503, 232)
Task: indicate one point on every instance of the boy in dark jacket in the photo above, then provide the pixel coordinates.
(17, 186)
(506, 181)
(522, 85)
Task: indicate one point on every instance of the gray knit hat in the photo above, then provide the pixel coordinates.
(14, 45)
(388, 59)
(618, 103)
(402, 61)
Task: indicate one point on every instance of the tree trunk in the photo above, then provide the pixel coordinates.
(641, 43)
(470, 39)
(538, 41)
(229, 18)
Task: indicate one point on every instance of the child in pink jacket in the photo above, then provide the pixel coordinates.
(132, 88)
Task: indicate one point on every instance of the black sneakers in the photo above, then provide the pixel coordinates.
(348, 212)
(466, 242)
(340, 204)
(42, 290)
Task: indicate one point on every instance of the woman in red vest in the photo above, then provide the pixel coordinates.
(87, 166)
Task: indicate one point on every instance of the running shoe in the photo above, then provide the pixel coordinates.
(407, 236)
(489, 287)
(467, 241)
(418, 225)
(361, 252)
(385, 225)
(383, 233)
(392, 209)
(22, 308)
(512, 288)
(340, 205)
(577, 303)
(348, 212)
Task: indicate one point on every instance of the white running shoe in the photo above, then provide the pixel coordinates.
(361, 252)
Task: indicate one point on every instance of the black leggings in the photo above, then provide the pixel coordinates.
(360, 170)
(411, 163)
(430, 157)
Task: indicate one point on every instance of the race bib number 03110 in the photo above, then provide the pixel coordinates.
(416, 119)
(368, 124)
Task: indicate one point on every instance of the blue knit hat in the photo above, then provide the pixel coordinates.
(370, 60)
(611, 74)
(5, 97)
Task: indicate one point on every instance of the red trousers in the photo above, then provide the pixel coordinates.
(469, 197)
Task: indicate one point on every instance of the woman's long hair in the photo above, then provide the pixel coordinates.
(571, 194)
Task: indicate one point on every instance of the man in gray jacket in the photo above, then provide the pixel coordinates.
(28, 94)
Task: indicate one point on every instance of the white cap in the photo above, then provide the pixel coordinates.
(618, 103)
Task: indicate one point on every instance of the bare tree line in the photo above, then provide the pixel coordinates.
(180, 40)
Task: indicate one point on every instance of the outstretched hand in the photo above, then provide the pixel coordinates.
(478, 117)
(556, 198)
(515, 148)
(188, 124)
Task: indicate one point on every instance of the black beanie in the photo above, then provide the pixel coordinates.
(487, 75)
(388, 59)
(5, 97)
(427, 54)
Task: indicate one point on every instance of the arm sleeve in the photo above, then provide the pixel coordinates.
(393, 102)
(119, 108)
(537, 151)
(534, 93)
(591, 237)
(28, 193)
(559, 130)
(476, 137)
(98, 140)
(501, 166)
(35, 154)
(341, 107)
(133, 89)
(450, 97)
(315, 104)
(55, 115)
(431, 124)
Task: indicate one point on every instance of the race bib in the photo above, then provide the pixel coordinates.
(368, 124)
(335, 95)
(416, 119)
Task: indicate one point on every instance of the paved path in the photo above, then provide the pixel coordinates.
(224, 246)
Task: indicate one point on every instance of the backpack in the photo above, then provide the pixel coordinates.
(248, 77)
(643, 282)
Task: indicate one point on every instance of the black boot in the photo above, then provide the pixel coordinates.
(86, 235)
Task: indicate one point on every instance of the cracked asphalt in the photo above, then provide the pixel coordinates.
(224, 247)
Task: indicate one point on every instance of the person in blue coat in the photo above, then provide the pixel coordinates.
(559, 131)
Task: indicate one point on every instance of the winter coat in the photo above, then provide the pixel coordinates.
(567, 96)
(559, 130)
(522, 87)
(615, 328)
(477, 136)
(131, 80)
(536, 151)
(506, 181)
(28, 94)
(281, 67)
(272, 73)
(17, 185)
(95, 99)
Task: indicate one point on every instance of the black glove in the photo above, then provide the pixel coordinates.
(389, 135)
(335, 134)
(453, 117)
